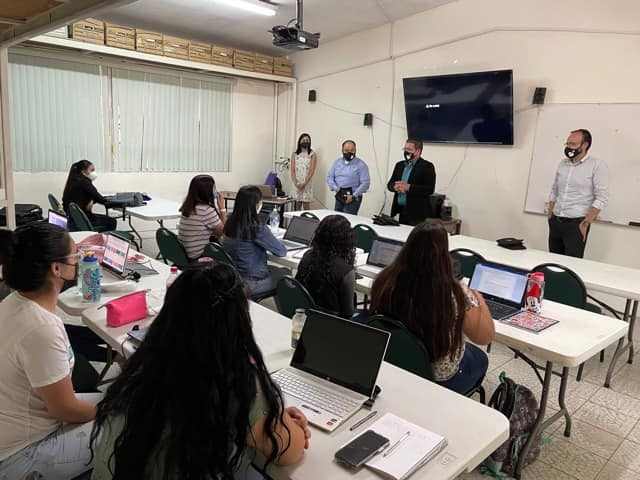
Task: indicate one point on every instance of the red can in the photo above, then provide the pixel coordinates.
(535, 292)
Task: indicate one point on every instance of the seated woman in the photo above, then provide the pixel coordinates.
(79, 189)
(419, 290)
(247, 242)
(196, 399)
(202, 216)
(37, 397)
(326, 269)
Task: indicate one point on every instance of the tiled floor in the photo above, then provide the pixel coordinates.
(605, 437)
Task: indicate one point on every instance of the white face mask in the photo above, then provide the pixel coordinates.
(92, 176)
(259, 207)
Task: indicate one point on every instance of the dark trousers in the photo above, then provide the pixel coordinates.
(565, 237)
(85, 342)
(351, 208)
(471, 371)
(103, 222)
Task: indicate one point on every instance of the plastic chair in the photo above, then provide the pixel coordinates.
(365, 235)
(467, 260)
(309, 215)
(216, 251)
(82, 223)
(290, 295)
(407, 351)
(55, 204)
(171, 248)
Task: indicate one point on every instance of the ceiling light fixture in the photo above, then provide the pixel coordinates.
(249, 7)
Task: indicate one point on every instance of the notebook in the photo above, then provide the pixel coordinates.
(530, 321)
(410, 447)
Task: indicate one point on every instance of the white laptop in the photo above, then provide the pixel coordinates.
(299, 233)
(115, 259)
(334, 369)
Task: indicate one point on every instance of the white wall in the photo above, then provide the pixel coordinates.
(581, 50)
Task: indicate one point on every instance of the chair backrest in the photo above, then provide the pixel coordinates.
(309, 215)
(55, 204)
(216, 251)
(290, 295)
(79, 219)
(171, 248)
(562, 285)
(405, 350)
(365, 235)
(467, 259)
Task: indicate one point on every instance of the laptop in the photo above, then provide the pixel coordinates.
(334, 369)
(383, 252)
(58, 219)
(503, 288)
(299, 233)
(115, 259)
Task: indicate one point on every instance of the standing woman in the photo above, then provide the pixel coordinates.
(303, 167)
(80, 190)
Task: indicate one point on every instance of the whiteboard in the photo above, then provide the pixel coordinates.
(616, 140)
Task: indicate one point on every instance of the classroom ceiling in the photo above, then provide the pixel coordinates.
(19, 12)
(210, 21)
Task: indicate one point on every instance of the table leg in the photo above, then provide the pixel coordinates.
(135, 232)
(629, 316)
(563, 407)
(159, 256)
(281, 212)
(632, 324)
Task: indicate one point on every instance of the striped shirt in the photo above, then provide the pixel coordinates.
(195, 231)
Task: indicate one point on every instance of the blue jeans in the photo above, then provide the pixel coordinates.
(351, 208)
(471, 371)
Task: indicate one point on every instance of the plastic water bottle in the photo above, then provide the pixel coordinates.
(274, 220)
(173, 274)
(297, 324)
(91, 279)
(535, 292)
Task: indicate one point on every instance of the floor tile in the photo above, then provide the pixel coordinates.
(591, 438)
(541, 471)
(634, 436)
(616, 401)
(612, 421)
(615, 472)
(628, 456)
(626, 385)
(571, 459)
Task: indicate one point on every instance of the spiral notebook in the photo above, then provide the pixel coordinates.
(410, 447)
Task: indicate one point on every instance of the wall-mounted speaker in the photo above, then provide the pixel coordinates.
(539, 96)
(368, 119)
(312, 95)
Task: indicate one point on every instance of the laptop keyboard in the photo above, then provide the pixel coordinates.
(290, 244)
(325, 399)
(500, 311)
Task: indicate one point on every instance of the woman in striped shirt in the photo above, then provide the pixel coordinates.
(202, 216)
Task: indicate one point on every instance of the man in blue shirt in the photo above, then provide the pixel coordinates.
(349, 179)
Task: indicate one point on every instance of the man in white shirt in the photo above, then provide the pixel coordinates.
(579, 193)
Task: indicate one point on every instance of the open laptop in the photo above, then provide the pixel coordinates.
(58, 219)
(503, 288)
(333, 370)
(383, 252)
(299, 233)
(115, 259)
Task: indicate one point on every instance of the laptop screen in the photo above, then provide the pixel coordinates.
(301, 230)
(383, 252)
(57, 219)
(499, 282)
(116, 251)
(344, 352)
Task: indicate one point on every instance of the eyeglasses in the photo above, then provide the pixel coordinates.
(77, 256)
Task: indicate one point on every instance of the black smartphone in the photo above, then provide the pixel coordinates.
(361, 449)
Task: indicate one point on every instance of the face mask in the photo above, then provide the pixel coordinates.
(69, 283)
(92, 176)
(572, 153)
(259, 207)
(305, 145)
(348, 156)
(408, 156)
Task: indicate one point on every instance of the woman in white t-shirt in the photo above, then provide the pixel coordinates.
(36, 360)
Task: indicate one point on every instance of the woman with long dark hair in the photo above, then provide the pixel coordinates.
(326, 269)
(44, 426)
(202, 217)
(247, 240)
(303, 166)
(80, 190)
(419, 289)
(196, 400)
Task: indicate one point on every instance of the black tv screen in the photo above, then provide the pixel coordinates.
(463, 108)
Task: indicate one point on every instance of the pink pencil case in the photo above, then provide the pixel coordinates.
(127, 309)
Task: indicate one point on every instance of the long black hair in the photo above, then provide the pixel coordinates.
(27, 254)
(201, 192)
(244, 220)
(420, 290)
(299, 147)
(76, 172)
(188, 390)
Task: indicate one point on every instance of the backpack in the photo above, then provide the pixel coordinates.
(26, 213)
(519, 405)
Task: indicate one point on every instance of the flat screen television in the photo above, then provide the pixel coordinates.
(464, 108)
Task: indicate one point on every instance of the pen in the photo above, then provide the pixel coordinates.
(395, 445)
(361, 422)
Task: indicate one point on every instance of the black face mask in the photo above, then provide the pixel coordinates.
(348, 156)
(408, 156)
(305, 145)
(70, 283)
(572, 153)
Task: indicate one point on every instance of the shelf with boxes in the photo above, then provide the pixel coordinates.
(97, 36)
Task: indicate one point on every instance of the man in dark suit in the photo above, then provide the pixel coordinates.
(413, 182)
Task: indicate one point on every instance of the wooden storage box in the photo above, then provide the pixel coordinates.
(244, 60)
(200, 52)
(89, 30)
(264, 63)
(282, 66)
(176, 47)
(222, 56)
(149, 42)
(62, 32)
(120, 36)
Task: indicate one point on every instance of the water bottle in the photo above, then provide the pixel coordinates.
(535, 292)
(173, 274)
(91, 279)
(274, 220)
(297, 324)
(447, 209)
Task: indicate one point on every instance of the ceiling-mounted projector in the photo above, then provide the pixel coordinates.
(293, 37)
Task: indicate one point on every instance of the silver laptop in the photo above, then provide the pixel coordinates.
(58, 219)
(115, 259)
(383, 252)
(503, 288)
(300, 233)
(333, 370)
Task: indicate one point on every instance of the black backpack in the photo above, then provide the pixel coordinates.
(26, 213)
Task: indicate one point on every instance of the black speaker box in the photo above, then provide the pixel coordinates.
(368, 119)
(312, 95)
(539, 95)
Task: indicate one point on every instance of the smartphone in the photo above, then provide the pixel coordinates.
(361, 449)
